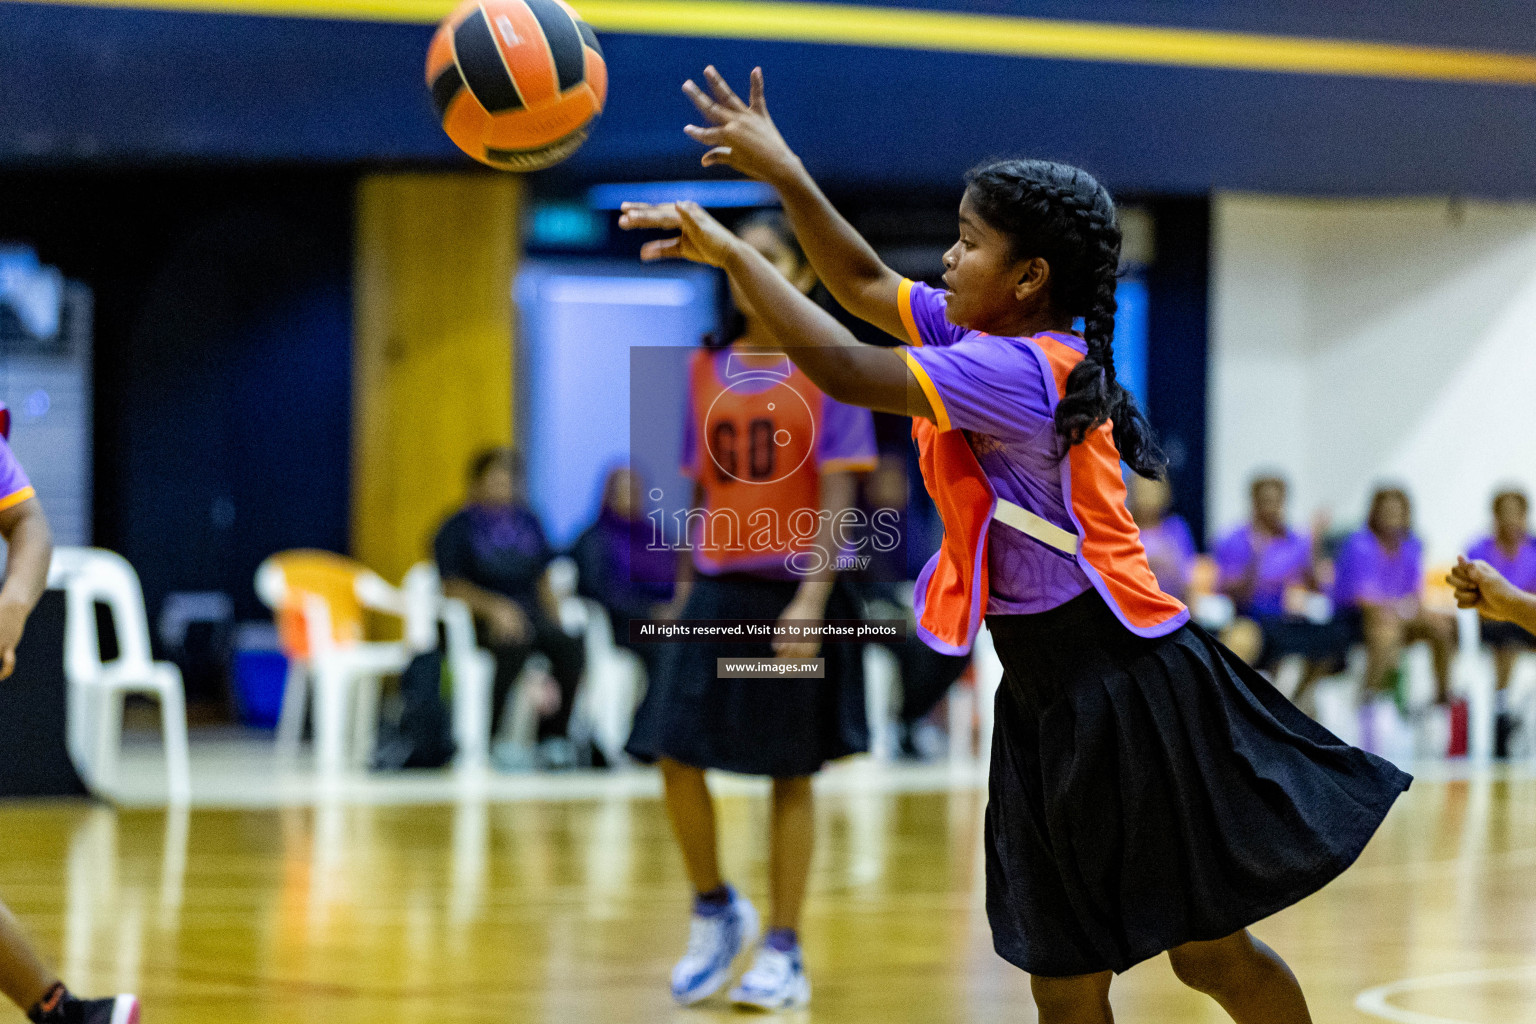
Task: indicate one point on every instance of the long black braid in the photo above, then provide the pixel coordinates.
(1062, 215)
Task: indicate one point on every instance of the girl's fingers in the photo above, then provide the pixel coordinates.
(722, 89)
(759, 100)
(638, 210)
(698, 224)
(718, 155)
(708, 107)
(690, 217)
(662, 249)
(708, 136)
(652, 220)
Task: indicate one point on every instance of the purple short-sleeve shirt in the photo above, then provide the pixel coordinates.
(15, 488)
(1276, 564)
(1001, 393)
(1370, 574)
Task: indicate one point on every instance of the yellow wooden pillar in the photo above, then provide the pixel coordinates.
(432, 353)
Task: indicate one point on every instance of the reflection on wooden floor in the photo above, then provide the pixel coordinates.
(573, 911)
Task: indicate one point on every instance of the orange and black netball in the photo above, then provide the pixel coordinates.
(517, 83)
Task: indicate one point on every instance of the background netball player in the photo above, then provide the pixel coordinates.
(1148, 791)
(759, 438)
(24, 978)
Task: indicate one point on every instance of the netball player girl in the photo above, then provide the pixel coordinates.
(24, 978)
(1149, 793)
(759, 441)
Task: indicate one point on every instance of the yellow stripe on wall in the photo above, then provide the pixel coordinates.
(432, 351)
(904, 28)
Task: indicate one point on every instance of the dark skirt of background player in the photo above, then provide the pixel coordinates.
(776, 727)
(1148, 793)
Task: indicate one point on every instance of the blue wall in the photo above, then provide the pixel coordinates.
(577, 317)
(223, 349)
(92, 85)
(1178, 284)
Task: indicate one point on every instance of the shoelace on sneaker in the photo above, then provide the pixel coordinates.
(770, 971)
(702, 934)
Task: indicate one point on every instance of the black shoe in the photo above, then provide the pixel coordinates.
(117, 1010)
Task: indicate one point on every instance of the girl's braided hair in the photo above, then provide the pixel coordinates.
(1062, 215)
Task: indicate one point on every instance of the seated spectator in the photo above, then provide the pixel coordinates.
(1510, 551)
(618, 568)
(492, 555)
(1380, 589)
(1275, 578)
(1170, 546)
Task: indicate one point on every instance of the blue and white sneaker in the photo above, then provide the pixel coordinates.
(714, 941)
(776, 981)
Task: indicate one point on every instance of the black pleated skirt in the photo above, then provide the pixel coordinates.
(777, 727)
(1148, 793)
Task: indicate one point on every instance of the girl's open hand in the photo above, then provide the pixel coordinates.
(702, 239)
(740, 135)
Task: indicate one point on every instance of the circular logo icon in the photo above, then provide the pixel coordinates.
(754, 459)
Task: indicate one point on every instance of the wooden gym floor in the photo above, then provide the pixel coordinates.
(572, 910)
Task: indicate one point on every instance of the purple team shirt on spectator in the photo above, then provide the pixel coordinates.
(1370, 574)
(14, 485)
(1283, 562)
(1001, 393)
(1171, 553)
(1519, 570)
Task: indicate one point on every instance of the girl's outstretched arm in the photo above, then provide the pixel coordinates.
(30, 546)
(839, 364)
(742, 136)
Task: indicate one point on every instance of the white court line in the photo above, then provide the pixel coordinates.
(1374, 1000)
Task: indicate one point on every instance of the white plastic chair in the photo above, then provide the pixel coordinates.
(988, 668)
(1473, 674)
(882, 677)
(92, 576)
(975, 703)
(473, 669)
(337, 672)
(560, 577)
(1521, 696)
(611, 684)
(1214, 612)
(520, 717)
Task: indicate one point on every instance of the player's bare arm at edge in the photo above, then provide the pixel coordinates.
(839, 364)
(30, 550)
(742, 136)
